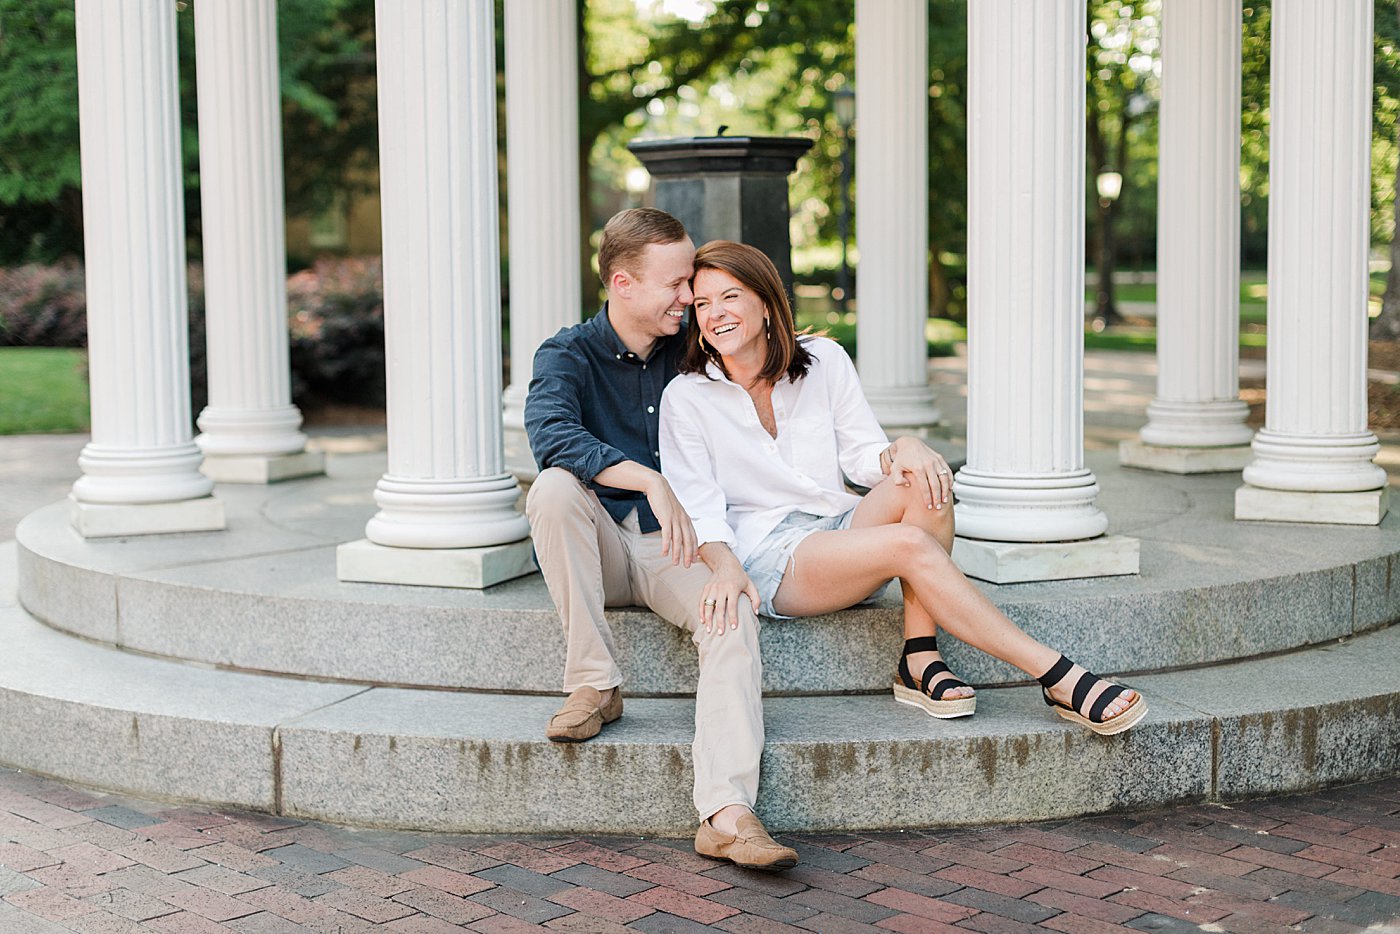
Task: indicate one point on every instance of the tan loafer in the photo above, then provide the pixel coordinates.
(751, 847)
(583, 715)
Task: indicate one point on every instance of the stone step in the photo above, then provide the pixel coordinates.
(478, 762)
(263, 596)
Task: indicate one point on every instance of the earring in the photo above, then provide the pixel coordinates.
(703, 349)
(767, 330)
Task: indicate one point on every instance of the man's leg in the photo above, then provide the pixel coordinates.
(728, 707)
(584, 564)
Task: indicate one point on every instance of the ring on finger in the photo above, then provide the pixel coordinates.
(710, 602)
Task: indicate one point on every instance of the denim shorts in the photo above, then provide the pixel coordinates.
(768, 562)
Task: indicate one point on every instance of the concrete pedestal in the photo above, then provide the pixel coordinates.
(1020, 562)
(1367, 507)
(471, 568)
(1184, 460)
(104, 520)
(262, 468)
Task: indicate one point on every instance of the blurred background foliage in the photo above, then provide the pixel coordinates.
(672, 68)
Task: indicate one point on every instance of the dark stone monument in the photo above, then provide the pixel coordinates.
(728, 188)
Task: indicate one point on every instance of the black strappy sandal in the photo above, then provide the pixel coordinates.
(1094, 721)
(918, 694)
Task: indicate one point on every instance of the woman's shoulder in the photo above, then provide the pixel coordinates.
(824, 350)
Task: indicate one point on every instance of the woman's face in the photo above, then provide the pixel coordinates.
(730, 316)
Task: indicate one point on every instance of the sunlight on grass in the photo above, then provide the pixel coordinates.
(42, 389)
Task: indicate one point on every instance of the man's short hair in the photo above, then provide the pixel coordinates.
(628, 233)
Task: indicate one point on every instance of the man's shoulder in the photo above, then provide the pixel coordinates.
(567, 338)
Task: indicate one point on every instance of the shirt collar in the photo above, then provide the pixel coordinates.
(613, 343)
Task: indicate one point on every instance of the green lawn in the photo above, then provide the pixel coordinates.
(42, 389)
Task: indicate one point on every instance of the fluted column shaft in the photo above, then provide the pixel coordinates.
(542, 183)
(1025, 479)
(142, 449)
(240, 163)
(446, 486)
(1198, 230)
(1315, 435)
(892, 209)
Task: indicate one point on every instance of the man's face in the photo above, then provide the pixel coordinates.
(658, 290)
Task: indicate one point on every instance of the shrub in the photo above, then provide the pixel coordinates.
(43, 306)
(336, 313)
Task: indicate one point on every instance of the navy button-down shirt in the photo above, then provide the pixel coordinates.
(593, 403)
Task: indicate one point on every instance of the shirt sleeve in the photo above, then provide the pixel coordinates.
(687, 465)
(554, 417)
(859, 437)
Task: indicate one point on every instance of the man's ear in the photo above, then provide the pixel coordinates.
(620, 284)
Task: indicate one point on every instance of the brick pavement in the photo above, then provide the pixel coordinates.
(78, 861)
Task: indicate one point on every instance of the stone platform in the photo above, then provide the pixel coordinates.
(234, 668)
(263, 596)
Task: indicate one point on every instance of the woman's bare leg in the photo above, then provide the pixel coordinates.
(889, 504)
(832, 570)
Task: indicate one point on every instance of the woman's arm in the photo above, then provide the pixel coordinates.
(688, 467)
(859, 437)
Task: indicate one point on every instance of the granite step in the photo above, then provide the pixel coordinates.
(477, 762)
(263, 596)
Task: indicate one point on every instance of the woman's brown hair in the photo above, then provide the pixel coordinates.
(756, 272)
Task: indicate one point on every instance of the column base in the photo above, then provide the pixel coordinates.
(108, 520)
(1021, 562)
(1366, 507)
(904, 410)
(1184, 460)
(469, 568)
(520, 463)
(262, 468)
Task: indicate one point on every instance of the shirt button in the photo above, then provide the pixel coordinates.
(651, 409)
(619, 356)
(655, 453)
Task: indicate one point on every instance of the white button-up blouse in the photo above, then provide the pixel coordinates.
(736, 482)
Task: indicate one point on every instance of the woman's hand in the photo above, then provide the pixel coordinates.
(914, 462)
(719, 604)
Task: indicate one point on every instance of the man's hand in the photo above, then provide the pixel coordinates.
(916, 463)
(720, 602)
(677, 531)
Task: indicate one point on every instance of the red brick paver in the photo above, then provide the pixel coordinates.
(1329, 861)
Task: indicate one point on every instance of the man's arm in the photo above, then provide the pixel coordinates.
(677, 532)
(554, 416)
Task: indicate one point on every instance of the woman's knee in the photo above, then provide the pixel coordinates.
(914, 548)
(555, 489)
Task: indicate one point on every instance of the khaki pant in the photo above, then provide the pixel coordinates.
(590, 562)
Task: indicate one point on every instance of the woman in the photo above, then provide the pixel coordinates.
(756, 435)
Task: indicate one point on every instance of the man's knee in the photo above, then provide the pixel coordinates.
(553, 491)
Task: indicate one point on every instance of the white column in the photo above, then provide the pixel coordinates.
(542, 194)
(1025, 479)
(1313, 457)
(892, 210)
(447, 491)
(1197, 422)
(141, 470)
(250, 427)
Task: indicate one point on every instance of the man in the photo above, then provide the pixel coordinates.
(609, 531)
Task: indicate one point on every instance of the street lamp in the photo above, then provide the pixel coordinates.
(1109, 185)
(843, 104)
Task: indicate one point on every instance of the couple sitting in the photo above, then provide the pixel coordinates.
(728, 440)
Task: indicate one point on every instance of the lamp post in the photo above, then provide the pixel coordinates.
(843, 104)
(1109, 186)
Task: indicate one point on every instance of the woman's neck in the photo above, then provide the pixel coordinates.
(744, 369)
